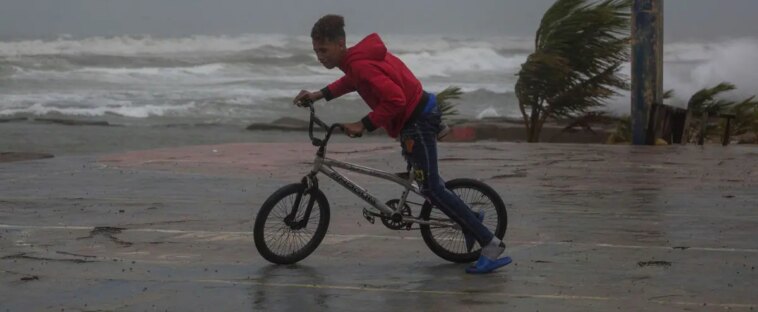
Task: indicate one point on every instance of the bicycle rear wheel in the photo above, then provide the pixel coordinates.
(448, 242)
(284, 241)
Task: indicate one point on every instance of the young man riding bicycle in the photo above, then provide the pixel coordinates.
(400, 106)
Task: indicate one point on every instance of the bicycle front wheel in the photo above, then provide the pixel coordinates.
(448, 242)
(282, 237)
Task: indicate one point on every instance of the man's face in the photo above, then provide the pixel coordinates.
(329, 53)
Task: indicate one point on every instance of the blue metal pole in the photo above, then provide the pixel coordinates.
(647, 65)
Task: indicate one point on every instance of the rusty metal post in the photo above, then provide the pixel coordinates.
(647, 65)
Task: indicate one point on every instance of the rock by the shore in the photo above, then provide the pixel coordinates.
(284, 124)
(13, 156)
(73, 122)
(13, 119)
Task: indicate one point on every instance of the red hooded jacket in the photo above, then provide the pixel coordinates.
(382, 80)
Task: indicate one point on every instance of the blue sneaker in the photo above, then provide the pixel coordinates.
(467, 237)
(484, 265)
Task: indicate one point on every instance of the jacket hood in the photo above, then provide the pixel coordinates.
(370, 48)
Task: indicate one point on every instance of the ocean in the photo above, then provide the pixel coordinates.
(238, 80)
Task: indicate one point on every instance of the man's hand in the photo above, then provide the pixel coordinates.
(354, 129)
(307, 95)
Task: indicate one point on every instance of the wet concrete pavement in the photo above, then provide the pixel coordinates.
(591, 228)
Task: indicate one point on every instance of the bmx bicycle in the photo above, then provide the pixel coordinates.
(293, 221)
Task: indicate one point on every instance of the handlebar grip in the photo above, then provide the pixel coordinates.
(342, 128)
(336, 126)
(305, 102)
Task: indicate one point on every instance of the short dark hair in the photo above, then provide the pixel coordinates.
(329, 27)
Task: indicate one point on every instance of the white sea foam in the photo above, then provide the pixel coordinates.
(488, 112)
(423, 43)
(132, 45)
(691, 66)
(144, 76)
(460, 60)
(731, 61)
(125, 111)
(208, 69)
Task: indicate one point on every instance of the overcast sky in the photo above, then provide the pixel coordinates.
(32, 19)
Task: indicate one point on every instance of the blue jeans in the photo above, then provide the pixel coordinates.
(419, 142)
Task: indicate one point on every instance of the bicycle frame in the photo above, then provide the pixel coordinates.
(325, 165)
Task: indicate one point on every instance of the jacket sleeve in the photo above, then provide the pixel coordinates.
(391, 98)
(338, 88)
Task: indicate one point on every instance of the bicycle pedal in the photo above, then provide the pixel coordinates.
(369, 217)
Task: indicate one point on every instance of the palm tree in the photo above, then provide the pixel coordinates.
(705, 104)
(579, 48)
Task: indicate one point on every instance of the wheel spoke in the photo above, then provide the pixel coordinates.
(279, 237)
(452, 239)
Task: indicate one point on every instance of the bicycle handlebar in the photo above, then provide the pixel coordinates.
(315, 120)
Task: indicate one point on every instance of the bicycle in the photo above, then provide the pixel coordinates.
(282, 234)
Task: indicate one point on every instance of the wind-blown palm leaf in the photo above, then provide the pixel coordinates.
(703, 100)
(746, 116)
(444, 99)
(668, 94)
(623, 132)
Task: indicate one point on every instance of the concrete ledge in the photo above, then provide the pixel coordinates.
(13, 156)
(509, 132)
(470, 131)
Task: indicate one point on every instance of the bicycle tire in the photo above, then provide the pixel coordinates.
(271, 217)
(453, 248)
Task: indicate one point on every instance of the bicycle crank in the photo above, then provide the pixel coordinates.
(395, 221)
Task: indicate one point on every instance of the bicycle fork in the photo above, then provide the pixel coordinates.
(310, 183)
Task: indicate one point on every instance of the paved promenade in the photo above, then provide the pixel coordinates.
(591, 228)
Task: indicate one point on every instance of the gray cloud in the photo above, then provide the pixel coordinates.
(26, 19)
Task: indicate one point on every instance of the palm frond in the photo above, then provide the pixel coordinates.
(745, 116)
(623, 132)
(668, 94)
(444, 101)
(702, 100)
